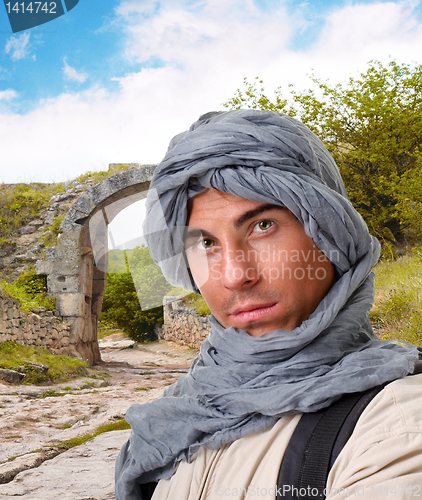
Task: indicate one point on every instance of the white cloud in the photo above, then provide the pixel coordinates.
(7, 95)
(18, 46)
(357, 34)
(206, 51)
(71, 73)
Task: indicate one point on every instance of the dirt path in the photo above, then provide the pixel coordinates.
(38, 418)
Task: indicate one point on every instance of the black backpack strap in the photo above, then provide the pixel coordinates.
(315, 444)
(147, 490)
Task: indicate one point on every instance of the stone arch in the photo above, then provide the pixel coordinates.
(76, 268)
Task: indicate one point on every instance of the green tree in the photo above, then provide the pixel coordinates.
(373, 128)
(150, 284)
(121, 308)
(134, 294)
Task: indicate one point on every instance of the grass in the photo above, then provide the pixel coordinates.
(398, 298)
(99, 176)
(105, 329)
(196, 301)
(20, 204)
(120, 425)
(49, 238)
(52, 394)
(29, 290)
(115, 426)
(60, 367)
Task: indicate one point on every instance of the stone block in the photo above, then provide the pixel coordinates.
(27, 230)
(70, 304)
(67, 253)
(17, 333)
(70, 238)
(66, 268)
(50, 253)
(34, 319)
(60, 284)
(44, 267)
(11, 376)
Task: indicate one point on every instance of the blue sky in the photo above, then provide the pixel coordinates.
(113, 80)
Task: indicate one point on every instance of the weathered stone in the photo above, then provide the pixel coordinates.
(85, 472)
(36, 223)
(50, 253)
(27, 230)
(11, 376)
(60, 284)
(20, 258)
(44, 267)
(182, 324)
(9, 470)
(39, 310)
(66, 268)
(70, 304)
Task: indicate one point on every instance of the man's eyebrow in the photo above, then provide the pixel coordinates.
(195, 233)
(250, 214)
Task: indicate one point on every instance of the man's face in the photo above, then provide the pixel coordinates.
(265, 273)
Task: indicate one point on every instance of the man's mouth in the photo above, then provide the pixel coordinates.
(252, 312)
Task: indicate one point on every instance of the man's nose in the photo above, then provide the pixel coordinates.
(238, 271)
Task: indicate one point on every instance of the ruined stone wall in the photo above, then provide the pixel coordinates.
(38, 328)
(183, 325)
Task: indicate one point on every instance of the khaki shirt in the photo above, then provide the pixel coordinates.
(382, 459)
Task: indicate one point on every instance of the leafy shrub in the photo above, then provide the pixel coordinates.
(121, 308)
(196, 301)
(132, 300)
(29, 290)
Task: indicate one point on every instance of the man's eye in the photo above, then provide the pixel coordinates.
(207, 243)
(264, 225)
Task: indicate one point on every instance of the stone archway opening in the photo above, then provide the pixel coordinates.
(76, 268)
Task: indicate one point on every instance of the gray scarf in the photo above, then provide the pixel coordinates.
(241, 384)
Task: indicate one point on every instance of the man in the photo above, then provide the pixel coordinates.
(249, 209)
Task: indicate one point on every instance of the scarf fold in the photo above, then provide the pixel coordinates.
(241, 384)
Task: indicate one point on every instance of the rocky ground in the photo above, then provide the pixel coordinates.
(36, 420)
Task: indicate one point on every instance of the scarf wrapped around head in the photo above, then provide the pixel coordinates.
(240, 384)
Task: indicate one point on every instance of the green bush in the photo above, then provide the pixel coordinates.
(131, 298)
(121, 309)
(196, 301)
(29, 290)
